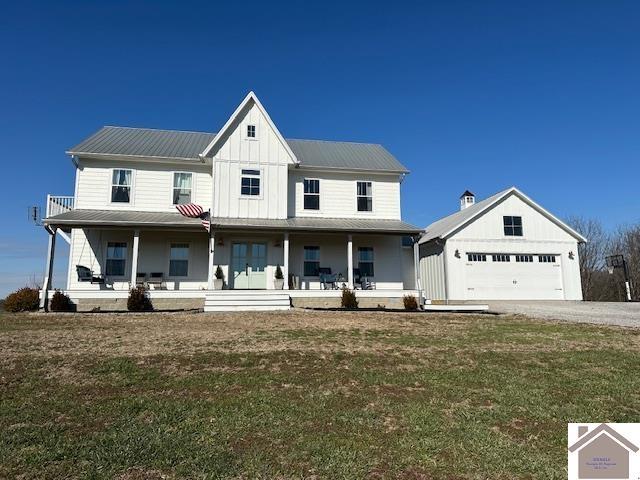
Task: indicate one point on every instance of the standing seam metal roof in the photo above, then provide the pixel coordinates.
(145, 142)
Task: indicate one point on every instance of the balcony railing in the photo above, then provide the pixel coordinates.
(57, 205)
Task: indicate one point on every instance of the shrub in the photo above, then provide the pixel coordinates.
(24, 300)
(139, 301)
(278, 274)
(349, 299)
(61, 303)
(410, 302)
(219, 273)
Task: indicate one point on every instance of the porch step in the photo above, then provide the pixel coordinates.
(235, 301)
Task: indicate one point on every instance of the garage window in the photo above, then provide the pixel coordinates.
(512, 226)
(524, 258)
(547, 258)
(501, 257)
(476, 257)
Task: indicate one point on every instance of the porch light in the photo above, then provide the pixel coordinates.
(457, 253)
(220, 242)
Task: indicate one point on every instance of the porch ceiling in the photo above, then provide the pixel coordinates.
(111, 218)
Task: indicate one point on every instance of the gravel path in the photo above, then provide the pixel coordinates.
(606, 313)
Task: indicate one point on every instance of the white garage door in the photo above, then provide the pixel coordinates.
(537, 277)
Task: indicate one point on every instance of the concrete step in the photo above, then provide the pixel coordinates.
(221, 301)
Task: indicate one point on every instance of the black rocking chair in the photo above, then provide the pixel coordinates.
(86, 275)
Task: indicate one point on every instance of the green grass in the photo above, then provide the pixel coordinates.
(390, 396)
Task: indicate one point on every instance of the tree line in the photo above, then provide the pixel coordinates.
(597, 283)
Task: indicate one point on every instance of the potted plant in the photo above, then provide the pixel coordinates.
(218, 282)
(279, 279)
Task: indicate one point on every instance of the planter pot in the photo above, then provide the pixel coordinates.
(218, 283)
(278, 283)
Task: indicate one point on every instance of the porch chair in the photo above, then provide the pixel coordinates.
(86, 275)
(363, 282)
(141, 279)
(157, 280)
(327, 279)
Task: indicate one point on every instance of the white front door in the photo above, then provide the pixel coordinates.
(248, 265)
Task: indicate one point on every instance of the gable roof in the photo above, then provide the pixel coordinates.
(250, 98)
(447, 226)
(600, 429)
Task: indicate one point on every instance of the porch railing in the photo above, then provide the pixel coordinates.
(58, 204)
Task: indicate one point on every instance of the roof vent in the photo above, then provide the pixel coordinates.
(467, 199)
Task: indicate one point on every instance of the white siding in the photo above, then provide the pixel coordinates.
(338, 195)
(266, 153)
(152, 185)
(432, 272)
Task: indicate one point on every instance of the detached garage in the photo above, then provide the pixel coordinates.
(506, 247)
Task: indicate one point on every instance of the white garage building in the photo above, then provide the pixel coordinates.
(506, 247)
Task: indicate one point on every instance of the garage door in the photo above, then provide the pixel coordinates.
(501, 277)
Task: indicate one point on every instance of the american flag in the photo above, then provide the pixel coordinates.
(192, 210)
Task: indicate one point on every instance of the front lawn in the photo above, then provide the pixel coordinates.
(304, 394)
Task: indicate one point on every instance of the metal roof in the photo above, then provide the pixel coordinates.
(446, 226)
(179, 145)
(85, 218)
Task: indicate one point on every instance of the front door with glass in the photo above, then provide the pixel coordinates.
(248, 264)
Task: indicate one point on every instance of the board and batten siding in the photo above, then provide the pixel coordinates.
(265, 153)
(152, 185)
(432, 271)
(338, 195)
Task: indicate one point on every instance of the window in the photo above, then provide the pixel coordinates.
(524, 258)
(501, 257)
(311, 194)
(311, 261)
(547, 258)
(250, 185)
(116, 259)
(512, 226)
(365, 199)
(179, 260)
(121, 186)
(476, 257)
(182, 188)
(251, 131)
(365, 261)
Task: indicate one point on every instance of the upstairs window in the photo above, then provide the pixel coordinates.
(121, 186)
(116, 259)
(365, 261)
(179, 260)
(182, 188)
(476, 257)
(250, 185)
(251, 131)
(365, 197)
(501, 257)
(311, 194)
(311, 261)
(512, 226)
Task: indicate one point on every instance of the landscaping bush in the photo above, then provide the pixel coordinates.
(61, 303)
(349, 299)
(24, 300)
(410, 302)
(139, 301)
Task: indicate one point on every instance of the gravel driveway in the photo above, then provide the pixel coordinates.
(607, 313)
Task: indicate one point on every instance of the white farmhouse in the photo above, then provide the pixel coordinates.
(506, 247)
(324, 214)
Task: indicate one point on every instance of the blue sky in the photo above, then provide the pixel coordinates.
(467, 94)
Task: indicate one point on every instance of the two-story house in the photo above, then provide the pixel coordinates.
(325, 214)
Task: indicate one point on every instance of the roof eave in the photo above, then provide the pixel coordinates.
(112, 156)
(356, 170)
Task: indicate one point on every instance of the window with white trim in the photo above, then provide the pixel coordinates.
(250, 183)
(524, 258)
(501, 257)
(116, 259)
(512, 226)
(182, 185)
(251, 131)
(179, 260)
(311, 194)
(547, 258)
(121, 181)
(476, 257)
(364, 196)
(311, 261)
(365, 261)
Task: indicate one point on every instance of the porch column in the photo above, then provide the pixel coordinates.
(285, 266)
(134, 258)
(416, 265)
(350, 260)
(48, 274)
(211, 271)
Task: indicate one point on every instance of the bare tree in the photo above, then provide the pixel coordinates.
(626, 241)
(591, 256)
